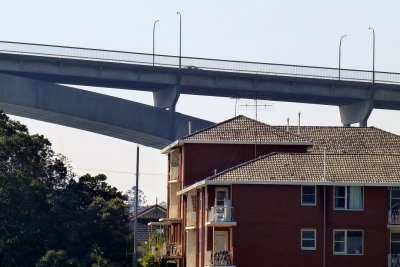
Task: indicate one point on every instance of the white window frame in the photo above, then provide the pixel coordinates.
(345, 199)
(315, 238)
(221, 189)
(345, 242)
(315, 196)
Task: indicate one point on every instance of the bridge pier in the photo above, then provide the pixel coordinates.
(167, 98)
(356, 113)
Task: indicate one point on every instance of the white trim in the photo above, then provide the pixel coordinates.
(191, 187)
(315, 238)
(345, 242)
(229, 142)
(315, 196)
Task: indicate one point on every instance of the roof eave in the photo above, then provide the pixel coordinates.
(326, 183)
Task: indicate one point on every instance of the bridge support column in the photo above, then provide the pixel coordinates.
(356, 113)
(167, 98)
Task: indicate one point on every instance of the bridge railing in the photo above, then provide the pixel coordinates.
(196, 63)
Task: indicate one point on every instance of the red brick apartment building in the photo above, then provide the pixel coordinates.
(243, 193)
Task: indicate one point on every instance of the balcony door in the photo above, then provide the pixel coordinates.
(221, 196)
(395, 199)
(221, 241)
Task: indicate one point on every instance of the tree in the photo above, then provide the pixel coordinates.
(49, 217)
(132, 200)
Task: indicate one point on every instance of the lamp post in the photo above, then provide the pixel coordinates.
(180, 38)
(340, 52)
(154, 35)
(373, 54)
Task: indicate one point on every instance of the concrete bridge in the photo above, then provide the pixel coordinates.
(30, 75)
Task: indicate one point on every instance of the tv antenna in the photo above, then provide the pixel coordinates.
(254, 104)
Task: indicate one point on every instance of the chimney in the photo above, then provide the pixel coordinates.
(190, 127)
(298, 127)
(287, 126)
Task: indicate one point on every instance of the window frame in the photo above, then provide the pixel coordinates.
(221, 189)
(345, 242)
(315, 238)
(315, 196)
(346, 197)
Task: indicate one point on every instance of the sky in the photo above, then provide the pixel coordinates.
(286, 31)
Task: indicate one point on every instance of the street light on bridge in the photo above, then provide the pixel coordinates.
(180, 38)
(340, 52)
(373, 54)
(154, 34)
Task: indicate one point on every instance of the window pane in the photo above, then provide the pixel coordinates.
(339, 236)
(308, 234)
(309, 190)
(395, 193)
(340, 203)
(355, 198)
(354, 242)
(395, 248)
(221, 195)
(395, 237)
(308, 199)
(339, 247)
(308, 244)
(340, 191)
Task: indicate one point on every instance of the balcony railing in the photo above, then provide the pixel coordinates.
(191, 219)
(219, 258)
(220, 214)
(394, 217)
(173, 211)
(172, 249)
(394, 260)
(173, 173)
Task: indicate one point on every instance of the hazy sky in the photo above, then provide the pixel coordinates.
(286, 31)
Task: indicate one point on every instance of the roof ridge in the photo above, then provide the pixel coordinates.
(212, 126)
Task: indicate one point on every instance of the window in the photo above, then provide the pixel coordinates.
(348, 242)
(221, 196)
(348, 198)
(308, 239)
(308, 195)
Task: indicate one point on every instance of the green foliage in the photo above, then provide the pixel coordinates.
(48, 217)
(152, 257)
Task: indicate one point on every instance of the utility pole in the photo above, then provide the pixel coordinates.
(134, 263)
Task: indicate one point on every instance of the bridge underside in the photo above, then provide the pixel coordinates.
(102, 114)
(29, 88)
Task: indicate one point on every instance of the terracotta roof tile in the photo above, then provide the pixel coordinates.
(244, 129)
(359, 140)
(288, 167)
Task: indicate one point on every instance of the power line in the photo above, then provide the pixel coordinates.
(120, 172)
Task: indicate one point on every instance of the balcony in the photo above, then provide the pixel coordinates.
(173, 174)
(219, 258)
(220, 216)
(394, 217)
(173, 211)
(190, 220)
(394, 260)
(172, 250)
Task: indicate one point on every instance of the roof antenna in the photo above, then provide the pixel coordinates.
(287, 126)
(215, 171)
(298, 127)
(190, 127)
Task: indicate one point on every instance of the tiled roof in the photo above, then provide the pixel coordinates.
(359, 140)
(303, 168)
(243, 129)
